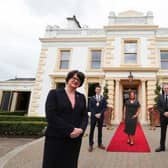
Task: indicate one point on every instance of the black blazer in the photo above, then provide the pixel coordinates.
(161, 105)
(61, 117)
(97, 109)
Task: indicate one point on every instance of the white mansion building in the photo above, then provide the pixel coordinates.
(129, 44)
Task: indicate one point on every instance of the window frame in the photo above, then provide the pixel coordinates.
(130, 53)
(98, 60)
(64, 60)
(163, 50)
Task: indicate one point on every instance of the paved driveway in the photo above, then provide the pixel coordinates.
(31, 155)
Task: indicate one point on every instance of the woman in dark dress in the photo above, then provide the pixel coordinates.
(67, 119)
(131, 112)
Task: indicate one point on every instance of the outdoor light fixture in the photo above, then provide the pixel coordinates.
(130, 77)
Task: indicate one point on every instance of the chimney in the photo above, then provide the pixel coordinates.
(73, 22)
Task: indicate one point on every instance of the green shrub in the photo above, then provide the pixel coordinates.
(20, 118)
(22, 128)
(19, 113)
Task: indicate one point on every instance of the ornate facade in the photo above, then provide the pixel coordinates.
(130, 42)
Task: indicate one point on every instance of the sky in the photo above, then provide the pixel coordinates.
(23, 22)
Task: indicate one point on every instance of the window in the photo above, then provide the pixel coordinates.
(91, 90)
(60, 85)
(164, 59)
(130, 52)
(6, 101)
(95, 59)
(64, 59)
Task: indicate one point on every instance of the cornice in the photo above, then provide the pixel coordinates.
(136, 69)
(88, 75)
(131, 27)
(162, 38)
(73, 39)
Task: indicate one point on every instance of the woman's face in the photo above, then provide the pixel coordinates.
(132, 95)
(74, 82)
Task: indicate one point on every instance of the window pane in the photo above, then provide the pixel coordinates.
(164, 65)
(130, 58)
(60, 85)
(164, 54)
(96, 65)
(130, 47)
(5, 103)
(65, 55)
(164, 59)
(95, 59)
(64, 60)
(64, 65)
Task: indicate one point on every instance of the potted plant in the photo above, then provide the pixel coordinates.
(153, 111)
(108, 112)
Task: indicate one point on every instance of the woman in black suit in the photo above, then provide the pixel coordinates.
(67, 120)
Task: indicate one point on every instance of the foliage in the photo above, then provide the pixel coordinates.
(18, 113)
(20, 118)
(105, 91)
(24, 128)
(11, 125)
(157, 93)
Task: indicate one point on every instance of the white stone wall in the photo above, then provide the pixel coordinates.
(110, 38)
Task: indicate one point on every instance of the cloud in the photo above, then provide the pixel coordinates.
(22, 22)
(86, 11)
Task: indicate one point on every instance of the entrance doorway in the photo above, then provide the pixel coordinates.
(125, 92)
(91, 89)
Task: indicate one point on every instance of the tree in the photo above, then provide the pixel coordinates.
(108, 111)
(105, 91)
(157, 93)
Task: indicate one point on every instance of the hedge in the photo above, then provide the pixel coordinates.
(20, 118)
(20, 113)
(22, 128)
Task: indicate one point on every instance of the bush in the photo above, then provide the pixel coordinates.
(22, 128)
(19, 113)
(14, 125)
(20, 118)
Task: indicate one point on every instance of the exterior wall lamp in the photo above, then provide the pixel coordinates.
(130, 77)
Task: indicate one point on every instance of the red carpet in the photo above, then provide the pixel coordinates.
(119, 141)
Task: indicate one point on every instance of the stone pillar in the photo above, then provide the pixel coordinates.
(1, 94)
(37, 89)
(116, 102)
(143, 103)
(110, 83)
(14, 101)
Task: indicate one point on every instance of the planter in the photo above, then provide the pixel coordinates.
(154, 117)
(107, 117)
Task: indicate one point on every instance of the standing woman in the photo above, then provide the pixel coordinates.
(131, 112)
(67, 119)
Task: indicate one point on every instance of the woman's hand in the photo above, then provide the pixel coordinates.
(165, 114)
(134, 116)
(76, 132)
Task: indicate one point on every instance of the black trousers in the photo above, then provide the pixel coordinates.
(163, 125)
(93, 123)
(61, 153)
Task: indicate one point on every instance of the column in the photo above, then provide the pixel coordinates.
(1, 94)
(116, 107)
(14, 101)
(143, 103)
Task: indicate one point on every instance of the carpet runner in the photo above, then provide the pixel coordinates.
(119, 141)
